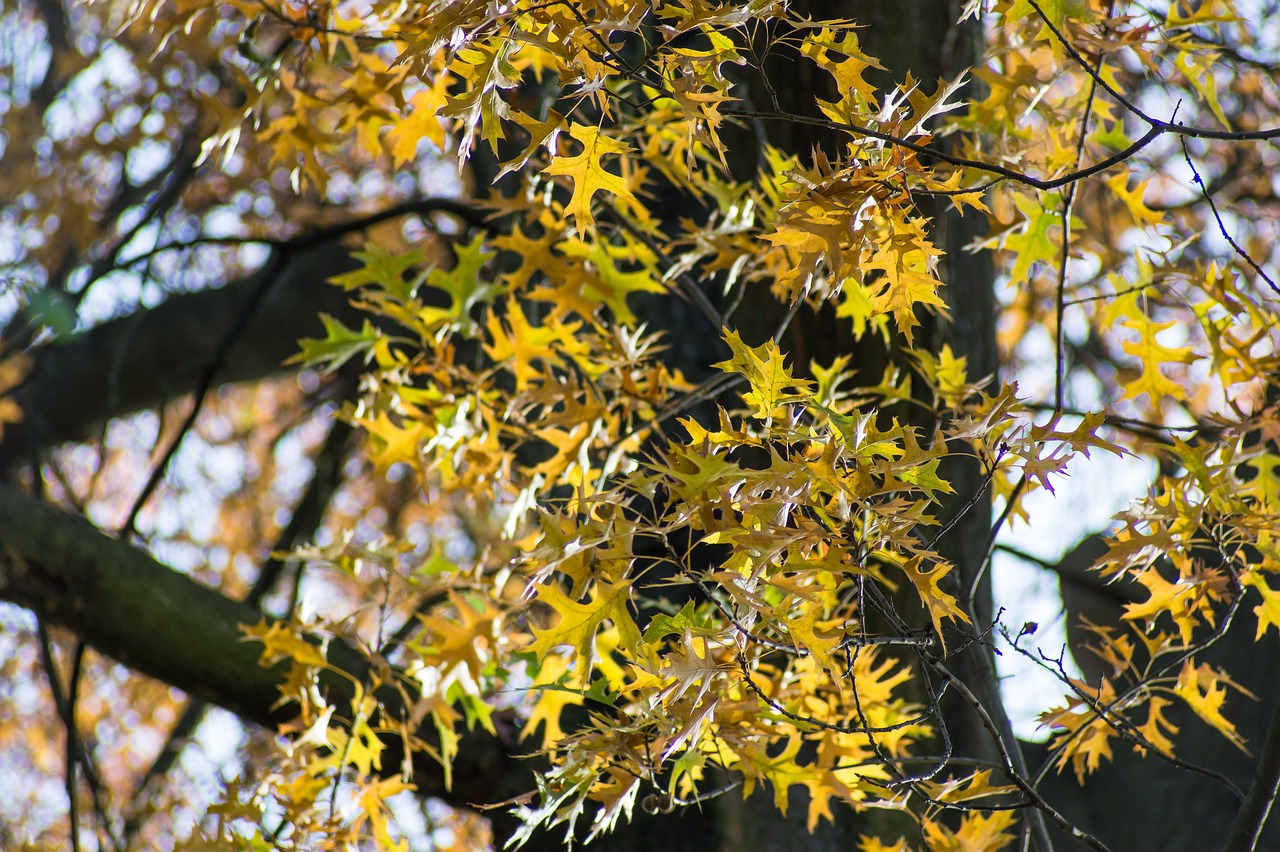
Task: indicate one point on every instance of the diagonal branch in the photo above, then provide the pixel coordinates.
(167, 626)
(1253, 813)
(144, 359)
(242, 331)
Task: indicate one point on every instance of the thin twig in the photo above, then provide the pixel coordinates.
(1116, 721)
(1010, 503)
(1016, 771)
(1222, 227)
(269, 274)
(76, 753)
(1068, 202)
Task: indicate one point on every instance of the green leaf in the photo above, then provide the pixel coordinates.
(465, 285)
(385, 270)
(339, 344)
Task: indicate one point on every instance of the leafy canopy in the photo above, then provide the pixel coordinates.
(740, 568)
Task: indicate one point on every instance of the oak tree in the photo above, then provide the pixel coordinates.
(555, 422)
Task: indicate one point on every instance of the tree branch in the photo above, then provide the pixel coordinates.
(144, 359)
(167, 626)
(1252, 816)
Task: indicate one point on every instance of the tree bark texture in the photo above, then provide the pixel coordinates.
(156, 355)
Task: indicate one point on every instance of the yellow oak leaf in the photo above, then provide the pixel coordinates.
(466, 634)
(487, 71)
(1084, 737)
(821, 637)
(361, 747)
(782, 770)
(1133, 198)
(875, 844)
(1205, 691)
(555, 688)
(819, 46)
(579, 622)
(1155, 728)
(926, 107)
(541, 134)
(1187, 602)
(466, 285)
(906, 259)
(588, 173)
(421, 121)
(1268, 612)
(377, 811)
(940, 604)
(281, 642)
(966, 789)
(978, 832)
(1153, 354)
(1197, 68)
(518, 344)
(1055, 12)
(1036, 238)
(592, 279)
(393, 440)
